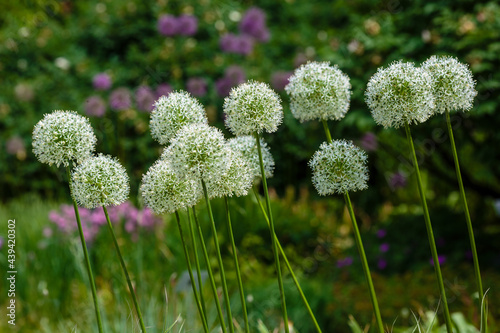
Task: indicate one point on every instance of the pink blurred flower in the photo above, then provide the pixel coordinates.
(95, 106)
(120, 99)
(168, 25)
(187, 25)
(197, 86)
(163, 90)
(144, 98)
(101, 81)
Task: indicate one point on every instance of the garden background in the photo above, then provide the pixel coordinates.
(111, 59)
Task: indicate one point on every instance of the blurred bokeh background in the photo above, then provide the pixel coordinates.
(111, 59)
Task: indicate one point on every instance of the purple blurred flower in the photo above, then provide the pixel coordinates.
(15, 146)
(384, 247)
(397, 180)
(101, 81)
(197, 86)
(382, 263)
(441, 259)
(369, 142)
(228, 42)
(300, 59)
(381, 233)
(1, 242)
(187, 25)
(235, 74)
(168, 25)
(253, 23)
(163, 90)
(144, 98)
(241, 44)
(279, 80)
(120, 99)
(347, 261)
(244, 45)
(95, 106)
(223, 86)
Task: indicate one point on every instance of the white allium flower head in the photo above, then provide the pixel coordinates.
(198, 149)
(248, 147)
(454, 87)
(172, 112)
(319, 91)
(399, 94)
(237, 180)
(165, 192)
(252, 107)
(99, 181)
(62, 137)
(339, 167)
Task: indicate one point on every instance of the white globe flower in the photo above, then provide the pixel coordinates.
(63, 137)
(319, 91)
(248, 148)
(252, 107)
(99, 181)
(172, 112)
(339, 167)
(399, 94)
(165, 192)
(454, 87)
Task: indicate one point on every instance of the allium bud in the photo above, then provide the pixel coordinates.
(99, 181)
(62, 137)
(165, 192)
(319, 91)
(248, 147)
(172, 112)
(198, 149)
(252, 107)
(399, 94)
(339, 167)
(453, 84)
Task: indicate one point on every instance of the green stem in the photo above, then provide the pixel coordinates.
(124, 268)
(428, 225)
(327, 131)
(273, 234)
(477, 272)
(87, 260)
(210, 273)
(197, 261)
(219, 258)
(364, 262)
(289, 267)
(190, 271)
(237, 266)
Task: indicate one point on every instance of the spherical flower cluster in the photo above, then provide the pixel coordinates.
(247, 146)
(165, 192)
(172, 112)
(198, 150)
(236, 181)
(62, 137)
(339, 167)
(453, 84)
(99, 181)
(319, 91)
(252, 107)
(399, 94)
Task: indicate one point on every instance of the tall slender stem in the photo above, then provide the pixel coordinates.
(430, 234)
(124, 268)
(210, 273)
(190, 271)
(289, 267)
(219, 258)
(327, 130)
(237, 266)
(197, 262)
(87, 260)
(466, 208)
(273, 239)
(364, 263)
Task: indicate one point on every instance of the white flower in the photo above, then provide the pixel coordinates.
(248, 147)
(252, 107)
(165, 192)
(198, 149)
(172, 112)
(236, 181)
(339, 167)
(319, 91)
(62, 137)
(453, 83)
(99, 181)
(399, 94)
